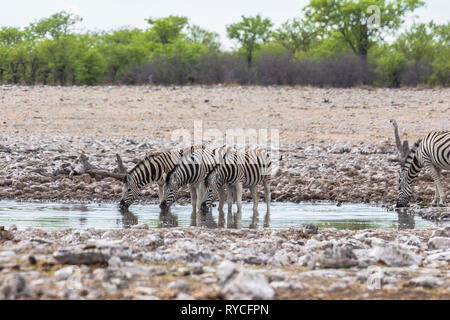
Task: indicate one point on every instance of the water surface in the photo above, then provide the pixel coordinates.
(283, 215)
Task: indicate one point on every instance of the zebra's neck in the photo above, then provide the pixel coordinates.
(413, 163)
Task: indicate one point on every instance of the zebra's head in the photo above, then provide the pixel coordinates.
(170, 190)
(404, 190)
(130, 192)
(212, 190)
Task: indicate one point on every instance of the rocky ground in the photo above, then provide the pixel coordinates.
(330, 140)
(198, 263)
(38, 168)
(335, 144)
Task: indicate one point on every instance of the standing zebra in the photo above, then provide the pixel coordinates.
(431, 152)
(256, 169)
(191, 170)
(151, 169)
(229, 174)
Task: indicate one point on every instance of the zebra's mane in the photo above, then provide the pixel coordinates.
(410, 158)
(148, 156)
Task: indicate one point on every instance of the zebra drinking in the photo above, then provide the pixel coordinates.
(431, 152)
(256, 169)
(191, 170)
(151, 169)
(229, 174)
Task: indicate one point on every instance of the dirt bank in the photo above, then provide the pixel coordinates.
(331, 140)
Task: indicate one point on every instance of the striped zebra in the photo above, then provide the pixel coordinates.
(191, 170)
(230, 175)
(431, 152)
(256, 169)
(152, 168)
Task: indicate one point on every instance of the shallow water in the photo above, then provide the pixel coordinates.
(283, 215)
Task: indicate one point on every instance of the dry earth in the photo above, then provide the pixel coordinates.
(199, 263)
(330, 139)
(336, 144)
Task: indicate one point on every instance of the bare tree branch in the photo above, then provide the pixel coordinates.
(403, 149)
(84, 166)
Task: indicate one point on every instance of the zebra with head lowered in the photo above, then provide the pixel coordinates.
(191, 170)
(152, 169)
(256, 170)
(431, 152)
(229, 174)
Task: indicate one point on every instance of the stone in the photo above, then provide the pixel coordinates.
(13, 286)
(247, 285)
(439, 243)
(153, 241)
(179, 285)
(195, 268)
(225, 270)
(281, 286)
(64, 273)
(276, 275)
(335, 257)
(394, 256)
(142, 226)
(427, 282)
(309, 228)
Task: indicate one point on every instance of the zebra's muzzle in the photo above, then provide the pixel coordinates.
(204, 207)
(163, 205)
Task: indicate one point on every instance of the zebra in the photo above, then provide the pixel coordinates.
(431, 152)
(151, 169)
(256, 169)
(191, 170)
(229, 174)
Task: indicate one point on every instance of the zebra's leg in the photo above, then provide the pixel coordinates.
(160, 194)
(230, 205)
(435, 173)
(200, 191)
(436, 197)
(193, 192)
(222, 196)
(255, 197)
(238, 193)
(267, 198)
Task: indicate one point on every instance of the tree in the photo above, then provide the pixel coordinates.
(351, 18)
(250, 32)
(201, 36)
(91, 69)
(167, 30)
(56, 26)
(296, 34)
(10, 36)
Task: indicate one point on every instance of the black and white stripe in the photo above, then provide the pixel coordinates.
(151, 169)
(431, 152)
(191, 170)
(230, 175)
(256, 170)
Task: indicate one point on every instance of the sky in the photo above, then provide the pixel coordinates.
(212, 15)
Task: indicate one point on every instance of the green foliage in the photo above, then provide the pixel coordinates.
(351, 18)
(201, 36)
(91, 69)
(56, 26)
(10, 36)
(250, 32)
(330, 45)
(390, 66)
(296, 35)
(167, 30)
